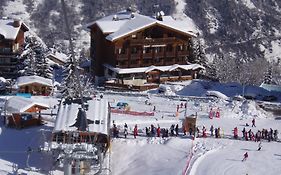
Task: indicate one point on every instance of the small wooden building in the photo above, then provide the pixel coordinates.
(21, 112)
(189, 123)
(57, 57)
(34, 85)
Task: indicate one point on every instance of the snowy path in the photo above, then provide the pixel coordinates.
(226, 159)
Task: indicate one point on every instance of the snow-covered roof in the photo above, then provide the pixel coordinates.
(271, 87)
(24, 80)
(20, 104)
(151, 68)
(61, 57)
(124, 23)
(97, 116)
(8, 30)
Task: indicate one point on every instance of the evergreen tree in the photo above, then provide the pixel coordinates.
(268, 76)
(199, 53)
(34, 60)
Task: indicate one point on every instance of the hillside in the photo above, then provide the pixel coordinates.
(238, 36)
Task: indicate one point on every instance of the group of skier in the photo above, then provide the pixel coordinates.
(270, 135)
(150, 131)
(213, 132)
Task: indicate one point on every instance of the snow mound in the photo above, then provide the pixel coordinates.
(251, 109)
(194, 89)
(217, 94)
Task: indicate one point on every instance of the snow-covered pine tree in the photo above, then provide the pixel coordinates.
(199, 53)
(34, 60)
(69, 85)
(43, 69)
(268, 75)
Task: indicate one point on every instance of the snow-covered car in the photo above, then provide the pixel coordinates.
(164, 89)
(217, 94)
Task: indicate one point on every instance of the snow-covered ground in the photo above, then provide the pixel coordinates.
(172, 155)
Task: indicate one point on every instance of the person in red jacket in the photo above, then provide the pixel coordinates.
(235, 132)
(158, 131)
(135, 131)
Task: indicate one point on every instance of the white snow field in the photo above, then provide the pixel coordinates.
(157, 155)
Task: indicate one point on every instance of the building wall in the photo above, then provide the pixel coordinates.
(133, 51)
(35, 89)
(9, 51)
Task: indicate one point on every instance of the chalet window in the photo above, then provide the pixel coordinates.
(158, 49)
(121, 51)
(134, 36)
(147, 50)
(134, 62)
(147, 61)
(169, 48)
(5, 50)
(5, 60)
(180, 48)
(122, 63)
(134, 50)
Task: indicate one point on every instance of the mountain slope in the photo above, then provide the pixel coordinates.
(236, 34)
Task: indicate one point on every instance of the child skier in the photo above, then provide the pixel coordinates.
(125, 130)
(260, 146)
(135, 131)
(245, 156)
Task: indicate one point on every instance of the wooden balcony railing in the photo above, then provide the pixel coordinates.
(153, 41)
(183, 53)
(121, 57)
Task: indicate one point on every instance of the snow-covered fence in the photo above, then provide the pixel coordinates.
(135, 113)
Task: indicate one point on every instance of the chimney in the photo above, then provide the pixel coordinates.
(16, 23)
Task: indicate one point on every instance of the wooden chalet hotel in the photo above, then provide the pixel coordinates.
(11, 41)
(130, 50)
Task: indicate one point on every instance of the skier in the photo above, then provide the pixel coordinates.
(152, 131)
(253, 123)
(243, 132)
(154, 108)
(198, 131)
(125, 130)
(212, 130)
(245, 156)
(218, 113)
(204, 131)
(158, 131)
(211, 114)
(275, 134)
(147, 131)
(177, 129)
(115, 131)
(235, 133)
(172, 128)
(135, 131)
(260, 146)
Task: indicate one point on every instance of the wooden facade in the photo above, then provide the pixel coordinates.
(152, 46)
(10, 48)
(155, 44)
(36, 89)
(27, 118)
